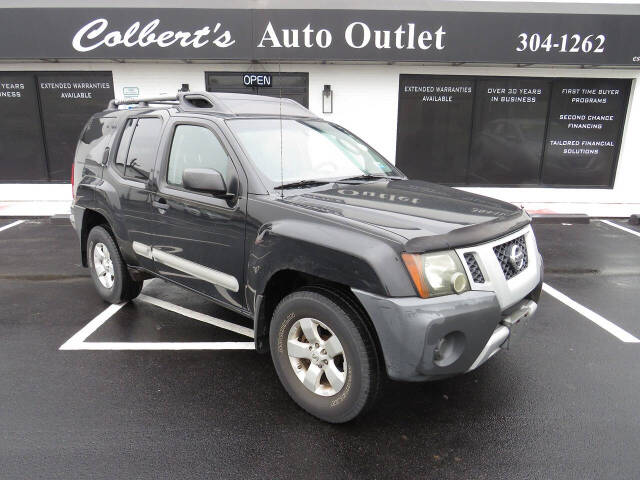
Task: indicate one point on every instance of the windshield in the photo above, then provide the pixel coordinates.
(309, 150)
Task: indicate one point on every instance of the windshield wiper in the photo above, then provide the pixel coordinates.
(300, 184)
(368, 177)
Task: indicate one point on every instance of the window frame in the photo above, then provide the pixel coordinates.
(177, 191)
(165, 174)
(116, 150)
(155, 155)
(120, 135)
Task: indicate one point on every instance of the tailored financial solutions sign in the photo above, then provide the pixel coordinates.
(319, 35)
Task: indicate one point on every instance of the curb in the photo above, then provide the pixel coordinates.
(551, 218)
(60, 219)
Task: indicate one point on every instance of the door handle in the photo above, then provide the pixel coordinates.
(160, 204)
(105, 156)
(193, 211)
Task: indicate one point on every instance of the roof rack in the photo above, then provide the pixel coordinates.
(213, 103)
(188, 100)
(142, 102)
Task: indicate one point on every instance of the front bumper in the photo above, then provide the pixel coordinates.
(473, 323)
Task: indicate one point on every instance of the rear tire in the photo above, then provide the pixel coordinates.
(108, 270)
(339, 378)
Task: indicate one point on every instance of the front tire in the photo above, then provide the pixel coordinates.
(108, 270)
(324, 355)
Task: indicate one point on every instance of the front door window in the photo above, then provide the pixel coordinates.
(196, 147)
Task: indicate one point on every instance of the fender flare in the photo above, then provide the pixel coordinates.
(342, 256)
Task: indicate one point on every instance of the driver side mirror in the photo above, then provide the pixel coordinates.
(205, 180)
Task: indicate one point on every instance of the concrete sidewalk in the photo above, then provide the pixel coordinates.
(28, 209)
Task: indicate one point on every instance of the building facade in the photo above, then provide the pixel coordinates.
(527, 102)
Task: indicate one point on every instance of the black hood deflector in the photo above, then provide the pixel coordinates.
(469, 236)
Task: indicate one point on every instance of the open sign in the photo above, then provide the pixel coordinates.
(256, 79)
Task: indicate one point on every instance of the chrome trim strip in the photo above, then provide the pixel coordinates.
(199, 271)
(142, 250)
(186, 266)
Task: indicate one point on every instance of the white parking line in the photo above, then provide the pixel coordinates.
(77, 341)
(599, 320)
(6, 227)
(628, 230)
(247, 332)
(163, 346)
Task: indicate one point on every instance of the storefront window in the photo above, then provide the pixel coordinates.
(21, 147)
(293, 85)
(43, 114)
(510, 131)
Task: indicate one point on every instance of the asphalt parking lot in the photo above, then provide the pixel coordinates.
(130, 395)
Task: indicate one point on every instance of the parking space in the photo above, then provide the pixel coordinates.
(152, 323)
(167, 387)
(624, 224)
(7, 223)
(597, 265)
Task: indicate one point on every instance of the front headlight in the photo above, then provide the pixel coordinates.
(436, 274)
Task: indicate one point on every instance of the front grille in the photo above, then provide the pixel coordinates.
(474, 268)
(502, 253)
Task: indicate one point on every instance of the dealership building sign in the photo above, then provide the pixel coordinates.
(320, 35)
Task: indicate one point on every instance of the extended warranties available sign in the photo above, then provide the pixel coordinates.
(319, 35)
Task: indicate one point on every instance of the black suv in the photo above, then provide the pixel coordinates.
(347, 268)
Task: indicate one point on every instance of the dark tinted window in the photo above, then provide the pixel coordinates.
(142, 151)
(434, 127)
(509, 122)
(22, 154)
(67, 101)
(293, 85)
(511, 131)
(585, 128)
(196, 147)
(47, 109)
(123, 147)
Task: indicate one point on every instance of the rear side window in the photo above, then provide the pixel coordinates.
(142, 150)
(123, 148)
(96, 138)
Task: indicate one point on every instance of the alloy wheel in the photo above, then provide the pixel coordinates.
(317, 357)
(103, 265)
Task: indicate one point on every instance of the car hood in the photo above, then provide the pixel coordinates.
(428, 216)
